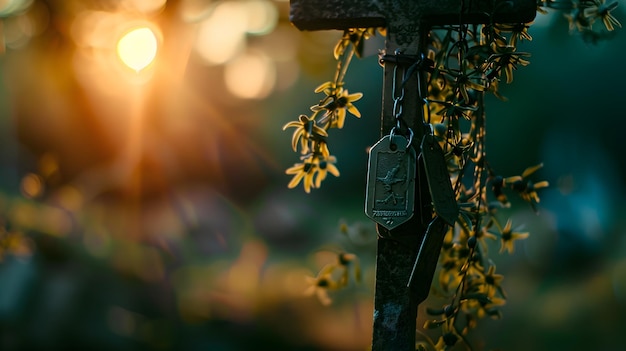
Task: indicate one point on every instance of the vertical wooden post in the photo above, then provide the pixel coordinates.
(395, 308)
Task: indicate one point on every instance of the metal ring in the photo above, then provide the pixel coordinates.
(411, 134)
(397, 108)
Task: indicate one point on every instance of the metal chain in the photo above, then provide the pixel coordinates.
(399, 99)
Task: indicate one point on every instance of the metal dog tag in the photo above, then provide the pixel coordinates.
(426, 261)
(439, 184)
(390, 195)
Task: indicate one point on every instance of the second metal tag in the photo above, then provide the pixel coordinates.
(441, 192)
(390, 195)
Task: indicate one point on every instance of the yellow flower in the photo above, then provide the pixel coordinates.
(508, 237)
(519, 31)
(526, 188)
(493, 88)
(492, 282)
(302, 171)
(455, 109)
(603, 11)
(328, 88)
(481, 305)
(355, 37)
(313, 170)
(483, 234)
(577, 20)
(449, 277)
(305, 130)
(344, 260)
(324, 167)
(320, 285)
(529, 193)
(441, 344)
(335, 105)
(505, 59)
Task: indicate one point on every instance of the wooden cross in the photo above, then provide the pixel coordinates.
(408, 23)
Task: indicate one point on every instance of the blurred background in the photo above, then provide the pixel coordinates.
(143, 200)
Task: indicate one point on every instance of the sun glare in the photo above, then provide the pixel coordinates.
(137, 48)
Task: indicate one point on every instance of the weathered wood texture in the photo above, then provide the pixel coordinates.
(395, 308)
(342, 14)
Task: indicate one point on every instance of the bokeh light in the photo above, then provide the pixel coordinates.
(146, 6)
(192, 11)
(222, 35)
(24, 20)
(32, 185)
(262, 17)
(250, 76)
(113, 48)
(10, 7)
(137, 48)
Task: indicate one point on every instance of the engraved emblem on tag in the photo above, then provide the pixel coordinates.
(390, 195)
(441, 192)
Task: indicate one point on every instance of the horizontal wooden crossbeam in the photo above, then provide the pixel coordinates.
(343, 14)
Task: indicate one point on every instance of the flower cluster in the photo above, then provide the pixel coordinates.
(467, 278)
(333, 276)
(316, 159)
(310, 135)
(520, 184)
(582, 14)
(468, 67)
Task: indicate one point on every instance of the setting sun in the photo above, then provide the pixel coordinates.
(137, 48)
